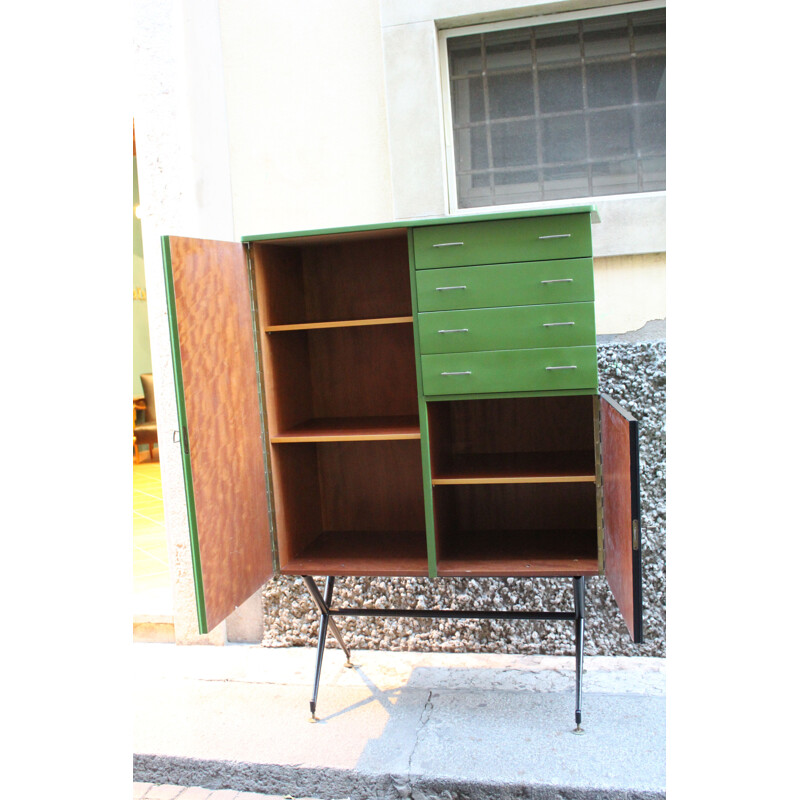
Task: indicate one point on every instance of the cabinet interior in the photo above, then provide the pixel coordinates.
(514, 486)
(342, 410)
(338, 343)
(350, 508)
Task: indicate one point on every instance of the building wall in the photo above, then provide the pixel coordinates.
(254, 117)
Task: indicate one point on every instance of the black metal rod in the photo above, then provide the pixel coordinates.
(448, 614)
(579, 587)
(323, 607)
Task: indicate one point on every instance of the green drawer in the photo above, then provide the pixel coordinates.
(553, 368)
(530, 283)
(503, 241)
(564, 325)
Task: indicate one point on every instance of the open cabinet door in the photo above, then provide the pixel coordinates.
(219, 411)
(619, 437)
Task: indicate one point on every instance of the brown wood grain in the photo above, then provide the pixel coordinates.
(617, 508)
(498, 553)
(223, 419)
(369, 553)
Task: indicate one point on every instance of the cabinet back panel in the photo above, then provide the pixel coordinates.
(514, 425)
(489, 507)
(371, 486)
(357, 280)
(366, 371)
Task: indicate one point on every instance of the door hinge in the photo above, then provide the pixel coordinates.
(635, 531)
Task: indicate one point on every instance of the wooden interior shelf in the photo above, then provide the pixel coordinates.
(552, 467)
(351, 429)
(378, 553)
(342, 323)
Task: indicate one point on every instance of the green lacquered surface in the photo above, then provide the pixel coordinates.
(518, 284)
(503, 241)
(510, 371)
(427, 486)
(561, 325)
(415, 223)
(191, 513)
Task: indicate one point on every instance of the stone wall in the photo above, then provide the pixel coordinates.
(634, 374)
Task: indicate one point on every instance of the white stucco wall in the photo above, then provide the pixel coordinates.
(306, 112)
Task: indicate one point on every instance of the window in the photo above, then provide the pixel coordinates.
(561, 110)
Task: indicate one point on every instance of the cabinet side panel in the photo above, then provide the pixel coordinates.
(223, 436)
(620, 468)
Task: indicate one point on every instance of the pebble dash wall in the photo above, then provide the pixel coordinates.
(634, 374)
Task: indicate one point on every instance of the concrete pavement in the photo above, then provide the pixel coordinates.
(397, 725)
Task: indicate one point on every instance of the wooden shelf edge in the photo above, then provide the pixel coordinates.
(445, 481)
(355, 429)
(461, 568)
(345, 323)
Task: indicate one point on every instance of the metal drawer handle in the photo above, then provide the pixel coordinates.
(557, 236)
(450, 288)
(448, 244)
(574, 366)
(554, 324)
(558, 280)
(456, 330)
(468, 372)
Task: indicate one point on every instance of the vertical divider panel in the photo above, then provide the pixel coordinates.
(427, 487)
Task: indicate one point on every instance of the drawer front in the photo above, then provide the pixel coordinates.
(503, 241)
(556, 368)
(530, 283)
(565, 325)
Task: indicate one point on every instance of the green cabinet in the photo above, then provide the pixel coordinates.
(404, 399)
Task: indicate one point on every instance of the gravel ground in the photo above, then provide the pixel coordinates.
(634, 374)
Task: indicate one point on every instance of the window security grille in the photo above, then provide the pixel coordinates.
(572, 109)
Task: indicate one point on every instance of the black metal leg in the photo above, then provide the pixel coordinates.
(579, 586)
(324, 604)
(324, 608)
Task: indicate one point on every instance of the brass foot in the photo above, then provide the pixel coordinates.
(578, 731)
(312, 718)
(348, 664)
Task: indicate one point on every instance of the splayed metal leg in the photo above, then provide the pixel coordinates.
(579, 586)
(325, 621)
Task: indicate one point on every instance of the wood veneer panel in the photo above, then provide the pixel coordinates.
(370, 553)
(220, 388)
(296, 499)
(497, 553)
(521, 506)
(620, 470)
(357, 280)
(515, 425)
(560, 467)
(371, 486)
(362, 372)
(347, 429)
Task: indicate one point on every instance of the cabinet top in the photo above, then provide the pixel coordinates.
(400, 225)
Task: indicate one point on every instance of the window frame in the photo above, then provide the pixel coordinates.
(443, 34)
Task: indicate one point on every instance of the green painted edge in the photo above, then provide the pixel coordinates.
(172, 318)
(418, 223)
(425, 444)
